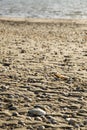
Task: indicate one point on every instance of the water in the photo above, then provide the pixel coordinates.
(44, 8)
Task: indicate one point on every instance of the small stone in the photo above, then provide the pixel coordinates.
(15, 114)
(52, 120)
(29, 118)
(26, 105)
(85, 122)
(16, 96)
(77, 125)
(6, 64)
(65, 108)
(10, 96)
(23, 51)
(29, 128)
(21, 122)
(39, 106)
(41, 128)
(71, 121)
(4, 87)
(12, 107)
(36, 112)
(38, 118)
(28, 99)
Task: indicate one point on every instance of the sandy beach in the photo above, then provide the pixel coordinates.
(43, 74)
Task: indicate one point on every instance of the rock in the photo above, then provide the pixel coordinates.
(52, 120)
(36, 112)
(41, 128)
(4, 87)
(39, 106)
(85, 122)
(6, 64)
(23, 51)
(28, 99)
(12, 107)
(21, 123)
(38, 118)
(10, 96)
(26, 105)
(15, 114)
(71, 121)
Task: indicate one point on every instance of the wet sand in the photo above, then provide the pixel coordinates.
(43, 64)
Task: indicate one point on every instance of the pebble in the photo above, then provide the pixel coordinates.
(26, 105)
(38, 118)
(41, 128)
(85, 122)
(39, 106)
(10, 96)
(52, 120)
(36, 112)
(6, 64)
(28, 99)
(12, 107)
(4, 87)
(21, 122)
(71, 121)
(15, 114)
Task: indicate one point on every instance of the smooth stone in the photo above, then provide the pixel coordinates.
(6, 64)
(85, 122)
(39, 106)
(36, 112)
(12, 107)
(15, 114)
(4, 87)
(38, 118)
(28, 99)
(26, 105)
(10, 96)
(21, 122)
(52, 120)
(41, 128)
(71, 121)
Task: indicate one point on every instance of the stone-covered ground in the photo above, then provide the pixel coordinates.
(43, 76)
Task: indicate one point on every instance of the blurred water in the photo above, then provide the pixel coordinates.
(44, 8)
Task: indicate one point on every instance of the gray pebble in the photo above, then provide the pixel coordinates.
(52, 120)
(71, 121)
(85, 122)
(26, 105)
(15, 114)
(39, 106)
(10, 96)
(12, 107)
(38, 118)
(28, 99)
(36, 112)
(41, 128)
(21, 122)
(4, 87)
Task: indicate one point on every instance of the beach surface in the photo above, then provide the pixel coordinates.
(43, 74)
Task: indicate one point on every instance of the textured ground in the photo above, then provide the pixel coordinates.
(43, 64)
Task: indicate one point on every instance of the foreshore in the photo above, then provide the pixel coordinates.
(43, 69)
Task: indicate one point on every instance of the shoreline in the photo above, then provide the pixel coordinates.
(43, 20)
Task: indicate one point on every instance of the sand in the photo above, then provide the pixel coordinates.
(43, 63)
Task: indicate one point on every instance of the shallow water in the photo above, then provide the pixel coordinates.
(44, 8)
